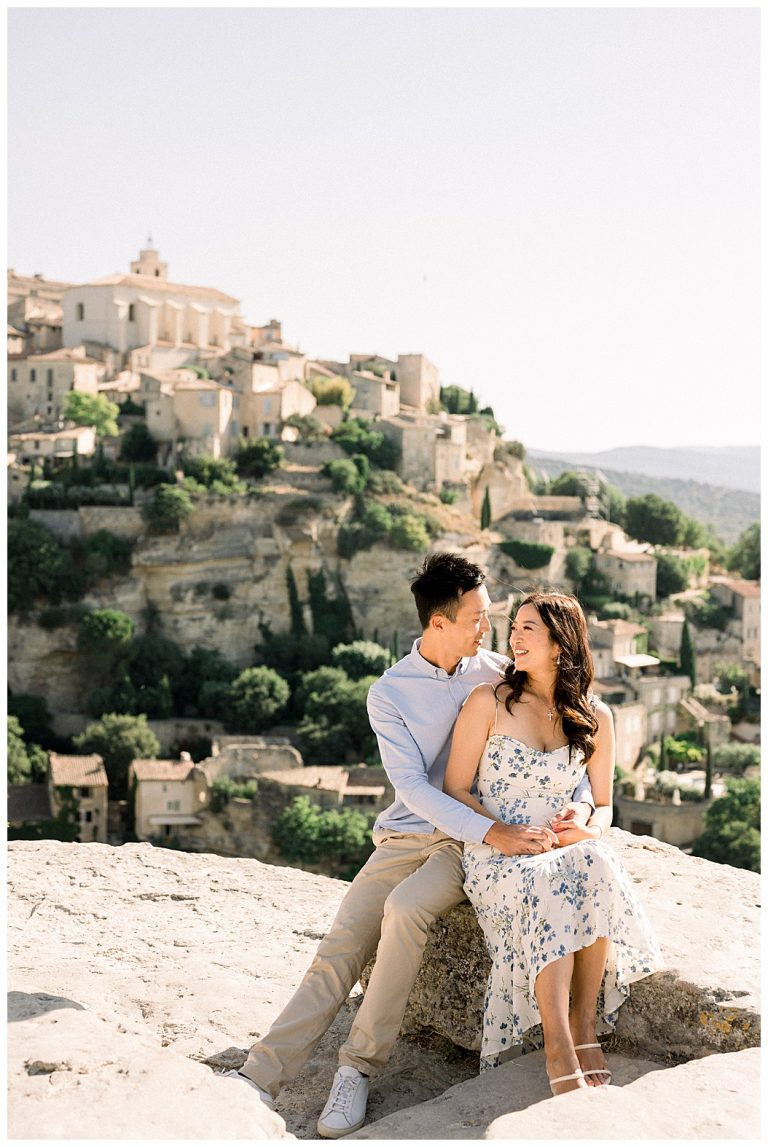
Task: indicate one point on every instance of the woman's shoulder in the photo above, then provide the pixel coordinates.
(485, 697)
(599, 708)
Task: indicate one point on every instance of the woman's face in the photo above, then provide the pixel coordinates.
(530, 641)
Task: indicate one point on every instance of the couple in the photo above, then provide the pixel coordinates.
(524, 781)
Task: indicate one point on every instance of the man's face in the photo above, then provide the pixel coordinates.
(466, 633)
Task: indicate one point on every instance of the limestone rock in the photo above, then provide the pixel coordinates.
(712, 1098)
(707, 919)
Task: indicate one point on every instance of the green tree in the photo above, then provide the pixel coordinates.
(569, 484)
(361, 659)
(310, 429)
(335, 726)
(345, 476)
(38, 566)
(105, 635)
(736, 757)
(688, 654)
(34, 716)
(18, 765)
(671, 575)
(337, 839)
(732, 833)
(527, 555)
(650, 518)
(356, 436)
(169, 506)
(485, 510)
(202, 666)
(102, 555)
(578, 562)
(331, 391)
(257, 457)
(156, 667)
(744, 557)
(516, 449)
(92, 410)
(119, 738)
(138, 445)
(218, 474)
(255, 700)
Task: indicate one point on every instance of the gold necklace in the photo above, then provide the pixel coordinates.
(551, 709)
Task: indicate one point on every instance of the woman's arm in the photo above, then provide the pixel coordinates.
(600, 768)
(470, 734)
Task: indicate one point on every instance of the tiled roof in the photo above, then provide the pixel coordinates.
(742, 587)
(620, 627)
(78, 771)
(150, 283)
(147, 769)
(63, 354)
(28, 803)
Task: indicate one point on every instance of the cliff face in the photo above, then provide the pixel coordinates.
(216, 581)
(133, 971)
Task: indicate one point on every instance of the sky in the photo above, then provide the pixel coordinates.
(558, 206)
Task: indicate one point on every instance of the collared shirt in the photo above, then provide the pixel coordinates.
(412, 709)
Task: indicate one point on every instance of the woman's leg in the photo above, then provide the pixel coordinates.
(588, 969)
(553, 985)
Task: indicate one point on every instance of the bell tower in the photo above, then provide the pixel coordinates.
(148, 263)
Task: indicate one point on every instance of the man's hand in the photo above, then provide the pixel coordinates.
(571, 816)
(520, 839)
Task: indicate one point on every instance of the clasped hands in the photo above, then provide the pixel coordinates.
(565, 827)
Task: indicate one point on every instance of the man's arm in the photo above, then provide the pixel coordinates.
(407, 770)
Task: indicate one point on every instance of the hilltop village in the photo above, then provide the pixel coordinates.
(210, 540)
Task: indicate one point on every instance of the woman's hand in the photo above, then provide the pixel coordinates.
(573, 833)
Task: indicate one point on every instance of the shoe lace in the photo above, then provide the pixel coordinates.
(343, 1094)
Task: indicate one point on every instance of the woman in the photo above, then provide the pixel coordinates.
(556, 920)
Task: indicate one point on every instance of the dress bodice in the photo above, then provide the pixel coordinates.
(521, 785)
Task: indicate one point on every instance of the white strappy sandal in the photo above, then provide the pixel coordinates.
(563, 1079)
(594, 1070)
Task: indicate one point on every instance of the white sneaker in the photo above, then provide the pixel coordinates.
(263, 1095)
(345, 1110)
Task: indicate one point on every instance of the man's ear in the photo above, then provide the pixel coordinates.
(437, 622)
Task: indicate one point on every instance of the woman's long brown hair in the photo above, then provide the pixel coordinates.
(564, 618)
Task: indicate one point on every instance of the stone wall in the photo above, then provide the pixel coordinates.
(677, 824)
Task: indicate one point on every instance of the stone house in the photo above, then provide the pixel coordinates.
(271, 387)
(35, 311)
(200, 413)
(39, 383)
(610, 640)
(375, 397)
(170, 322)
(16, 342)
(631, 574)
(167, 795)
(87, 778)
(433, 448)
(742, 599)
(47, 441)
(678, 824)
(419, 381)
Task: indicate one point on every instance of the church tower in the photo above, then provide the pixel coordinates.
(148, 263)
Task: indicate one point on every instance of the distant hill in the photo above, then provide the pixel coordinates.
(735, 467)
(727, 511)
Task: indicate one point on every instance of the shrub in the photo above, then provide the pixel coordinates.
(217, 474)
(169, 507)
(257, 457)
(25, 763)
(361, 659)
(735, 758)
(102, 555)
(345, 476)
(338, 839)
(527, 555)
(616, 611)
(38, 566)
(33, 715)
(138, 445)
(225, 789)
(671, 575)
(705, 613)
(92, 410)
(331, 391)
(105, 636)
(335, 725)
(409, 533)
(355, 436)
(255, 699)
(448, 496)
(385, 482)
(732, 833)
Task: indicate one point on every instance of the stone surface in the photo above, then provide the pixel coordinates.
(707, 919)
(712, 1098)
(133, 971)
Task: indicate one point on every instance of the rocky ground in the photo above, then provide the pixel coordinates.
(137, 974)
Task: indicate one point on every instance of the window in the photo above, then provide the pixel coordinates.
(86, 817)
(79, 311)
(13, 375)
(172, 806)
(267, 405)
(85, 792)
(49, 409)
(266, 428)
(33, 375)
(207, 399)
(131, 312)
(49, 376)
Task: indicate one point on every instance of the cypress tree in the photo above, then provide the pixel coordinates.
(298, 626)
(485, 512)
(687, 654)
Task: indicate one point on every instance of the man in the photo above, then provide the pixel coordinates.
(415, 872)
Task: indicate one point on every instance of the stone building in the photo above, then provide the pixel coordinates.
(47, 441)
(742, 600)
(419, 381)
(35, 312)
(87, 779)
(433, 448)
(40, 383)
(168, 796)
(611, 640)
(630, 574)
(375, 397)
(162, 323)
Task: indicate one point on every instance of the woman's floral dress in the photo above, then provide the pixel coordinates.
(534, 909)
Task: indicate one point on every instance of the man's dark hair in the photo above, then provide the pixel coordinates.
(440, 583)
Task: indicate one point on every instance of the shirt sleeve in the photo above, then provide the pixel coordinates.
(407, 770)
(583, 792)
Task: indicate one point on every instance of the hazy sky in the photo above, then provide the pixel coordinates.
(559, 206)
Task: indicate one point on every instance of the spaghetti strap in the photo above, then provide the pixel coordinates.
(496, 716)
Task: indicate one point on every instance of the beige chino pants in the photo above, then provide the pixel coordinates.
(408, 881)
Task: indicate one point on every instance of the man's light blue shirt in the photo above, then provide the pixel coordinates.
(412, 709)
